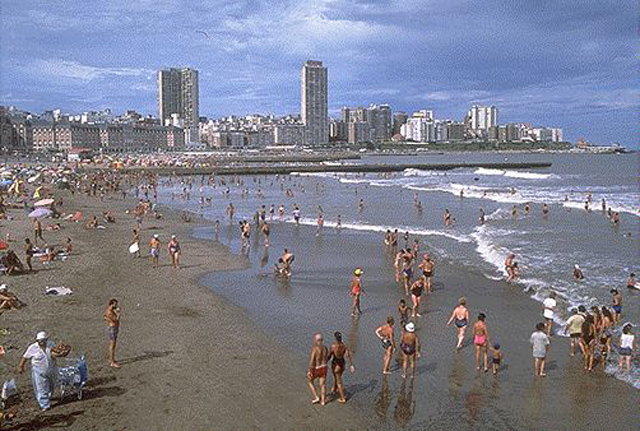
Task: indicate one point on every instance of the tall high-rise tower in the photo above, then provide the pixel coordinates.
(313, 107)
(178, 93)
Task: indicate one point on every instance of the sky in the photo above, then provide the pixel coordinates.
(565, 63)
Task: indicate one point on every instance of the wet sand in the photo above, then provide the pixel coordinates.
(190, 359)
(448, 392)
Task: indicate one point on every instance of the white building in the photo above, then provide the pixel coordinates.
(483, 117)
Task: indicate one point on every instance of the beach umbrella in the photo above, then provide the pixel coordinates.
(40, 212)
(44, 203)
(3, 245)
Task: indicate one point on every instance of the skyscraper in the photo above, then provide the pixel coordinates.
(179, 97)
(483, 117)
(313, 104)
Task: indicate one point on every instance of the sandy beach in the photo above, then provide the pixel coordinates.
(190, 360)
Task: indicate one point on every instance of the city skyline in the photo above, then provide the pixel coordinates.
(550, 64)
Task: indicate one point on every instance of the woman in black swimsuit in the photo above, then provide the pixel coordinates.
(410, 347)
(588, 341)
(339, 351)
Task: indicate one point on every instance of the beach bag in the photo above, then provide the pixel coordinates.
(9, 389)
(134, 248)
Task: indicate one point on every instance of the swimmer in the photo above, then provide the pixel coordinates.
(482, 216)
(631, 281)
(460, 315)
(427, 267)
(511, 267)
(616, 304)
(577, 273)
(266, 231)
(447, 217)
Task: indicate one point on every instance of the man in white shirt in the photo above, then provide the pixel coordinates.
(549, 310)
(43, 368)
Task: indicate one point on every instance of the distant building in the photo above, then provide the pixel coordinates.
(482, 117)
(399, 119)
(338, 131)
(375, 123)
(179, 98)
(289, 134)
(420, 127)
(314, 102)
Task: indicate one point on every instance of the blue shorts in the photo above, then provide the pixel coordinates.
(112, 332)
(154, 252)
(625, 351)
(617, 309)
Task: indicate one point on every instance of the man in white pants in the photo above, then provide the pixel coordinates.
(43, 368)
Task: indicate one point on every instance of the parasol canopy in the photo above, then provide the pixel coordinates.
(40, 212)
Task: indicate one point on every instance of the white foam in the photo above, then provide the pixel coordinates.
(514, 174)
(381, 229)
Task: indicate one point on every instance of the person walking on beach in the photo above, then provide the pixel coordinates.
(588, 341)
(417, 288)
(174, 251)
(37, 231)
(481, 340)
(356, 291)
(460, 315)
(574, 328)
(625, 351)
(112, 317)
(539, 349)
(427, 267)
(339, 351)
(318, 369)
(266, 231)
(548, 312)
(387, 338)
(496, 358)
(616, 304)
(410, 347)
(29, 252)
(43, 368)
(154, 249)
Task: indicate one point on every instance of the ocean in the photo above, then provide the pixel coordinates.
(546, 246)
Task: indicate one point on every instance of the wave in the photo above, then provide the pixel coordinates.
(515, 174)
(381, 229)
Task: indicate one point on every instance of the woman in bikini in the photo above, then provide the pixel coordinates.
(339, 351)
(410, 347)
(606, 323)
(460, 315)
(481, 339)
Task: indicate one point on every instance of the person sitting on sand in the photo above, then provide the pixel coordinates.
(9, 300)
(93, 223)
(13, 264)
(318, 369)
(68, 246)
(108, 217)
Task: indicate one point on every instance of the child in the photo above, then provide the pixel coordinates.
(539, 348)
(403, 309)
(626, 346)
(497, 358)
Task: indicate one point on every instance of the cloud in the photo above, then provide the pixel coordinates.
(82, 72)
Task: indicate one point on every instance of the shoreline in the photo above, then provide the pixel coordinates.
(190, 360)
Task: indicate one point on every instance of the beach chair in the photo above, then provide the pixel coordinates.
(73, 376)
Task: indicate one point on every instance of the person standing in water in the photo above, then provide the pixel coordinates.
(574, 328)
(482, 216)
(460, 315)
(625, 351)
(548, 311)
(339, 351)
(266, 231)
(387, 338)
(616, 304)
(481, 340)
(511, 267)
(410, 347)
(417, 289)
(318, 369)
(427, 267)
(447, 217)
(356, 291)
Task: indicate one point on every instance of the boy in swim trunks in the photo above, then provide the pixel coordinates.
(496, 358)
(318, 369)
